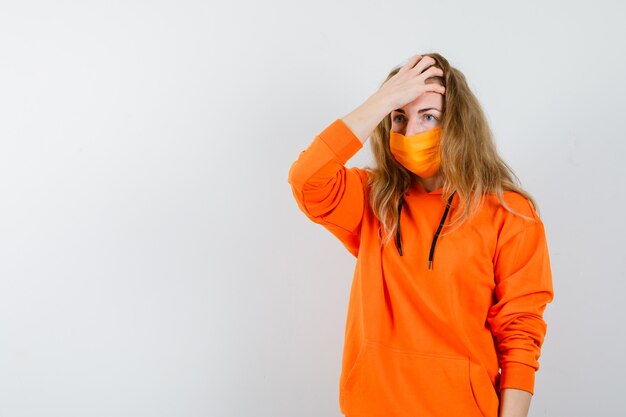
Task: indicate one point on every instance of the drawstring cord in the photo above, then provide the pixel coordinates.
(398, 242)
(434, 242)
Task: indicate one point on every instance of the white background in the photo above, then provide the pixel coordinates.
(153, 261)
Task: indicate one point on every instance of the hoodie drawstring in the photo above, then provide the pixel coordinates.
(434, 242)
(398, 242)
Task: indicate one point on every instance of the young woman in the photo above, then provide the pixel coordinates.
(452, 275)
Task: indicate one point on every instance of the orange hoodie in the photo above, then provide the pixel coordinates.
(419, 340)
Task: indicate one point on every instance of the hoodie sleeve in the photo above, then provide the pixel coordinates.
(523, 289)
(326, 191)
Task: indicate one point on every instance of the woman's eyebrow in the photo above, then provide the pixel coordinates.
(419, 111)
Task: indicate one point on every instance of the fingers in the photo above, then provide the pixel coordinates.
(432, 72)
(436, 88)
(424, 68)
(423, 63)
(411, 62)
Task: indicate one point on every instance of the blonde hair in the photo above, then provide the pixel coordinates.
(470, 164)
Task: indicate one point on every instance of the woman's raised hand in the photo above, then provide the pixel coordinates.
(402, 88)
(409, 82)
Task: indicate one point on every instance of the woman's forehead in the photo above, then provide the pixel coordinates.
(428, 99)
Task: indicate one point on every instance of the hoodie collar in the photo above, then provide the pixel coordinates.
(420, 190)
(416, 188)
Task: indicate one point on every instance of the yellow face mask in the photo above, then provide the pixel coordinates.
(418, 153)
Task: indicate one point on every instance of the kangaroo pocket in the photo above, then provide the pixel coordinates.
(386, 381)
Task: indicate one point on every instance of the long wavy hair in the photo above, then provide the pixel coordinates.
(470, 164)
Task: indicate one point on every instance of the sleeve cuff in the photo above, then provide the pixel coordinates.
(518, 375)
(341, 140)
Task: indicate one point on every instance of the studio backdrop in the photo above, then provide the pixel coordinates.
(153, 259)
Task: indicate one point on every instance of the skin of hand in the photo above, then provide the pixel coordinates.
(404, 87)
(514, 402)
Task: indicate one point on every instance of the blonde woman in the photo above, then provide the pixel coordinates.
(452, 273)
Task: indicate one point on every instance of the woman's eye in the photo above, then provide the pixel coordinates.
(399, 118)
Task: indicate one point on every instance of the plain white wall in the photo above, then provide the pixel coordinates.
(153, 261)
